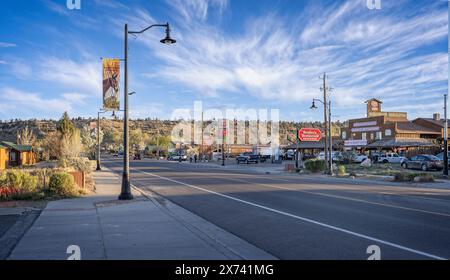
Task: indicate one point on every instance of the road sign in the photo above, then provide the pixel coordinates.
(309, 135)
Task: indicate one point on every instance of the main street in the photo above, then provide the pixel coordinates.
(297, 217)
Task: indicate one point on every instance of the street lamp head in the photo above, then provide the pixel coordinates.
(168, 40)
(313, 107)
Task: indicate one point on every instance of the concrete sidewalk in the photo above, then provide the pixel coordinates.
(146, 228)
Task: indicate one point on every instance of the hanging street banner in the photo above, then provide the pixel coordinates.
(111, 79)
(309, 135)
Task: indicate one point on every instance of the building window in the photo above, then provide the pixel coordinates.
(364, 136)
(379, 135)
(388, 132)
(13, 157)
(344, 135)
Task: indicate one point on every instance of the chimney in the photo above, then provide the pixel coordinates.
(437, 117)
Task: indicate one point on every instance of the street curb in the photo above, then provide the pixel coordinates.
(12, 237)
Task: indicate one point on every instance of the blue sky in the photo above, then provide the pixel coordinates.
(253, 54)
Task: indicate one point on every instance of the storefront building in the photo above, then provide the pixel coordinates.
(389, 131)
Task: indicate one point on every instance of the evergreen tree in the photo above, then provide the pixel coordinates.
(65, 125)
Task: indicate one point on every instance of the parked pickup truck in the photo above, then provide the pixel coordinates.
(247, 158)
(390, 158)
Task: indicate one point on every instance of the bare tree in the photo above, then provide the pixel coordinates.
(26, 137)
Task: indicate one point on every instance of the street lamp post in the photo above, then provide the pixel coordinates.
(126, 188)
(99, 168)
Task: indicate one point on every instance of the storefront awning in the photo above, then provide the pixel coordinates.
(392, 143)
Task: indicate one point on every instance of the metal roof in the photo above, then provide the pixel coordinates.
(20, 148)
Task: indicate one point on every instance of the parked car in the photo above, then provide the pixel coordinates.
(289, 155)
(359, 158)
(390, 158)
(337, 156)
(423, 162)
(307, 156)
(137, 157)
(247, 158)
(177, 157)
(441, 157)
(264, 158)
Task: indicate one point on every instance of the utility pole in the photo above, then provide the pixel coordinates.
(201, 147)
(224, 125)
(445, 136)
(331, 138)
(324, 78)
(99, 168)
(297, 148)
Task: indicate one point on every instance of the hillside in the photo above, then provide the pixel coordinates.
(9, 129)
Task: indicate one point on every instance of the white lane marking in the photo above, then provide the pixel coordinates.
(337, 196)
(302, 218)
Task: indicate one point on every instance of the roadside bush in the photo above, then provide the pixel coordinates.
(17, 184)
(29, 183)
(342, 170)
(63, 184)
(315, 165)
(424, 178)
(404, 177)
(413, 177)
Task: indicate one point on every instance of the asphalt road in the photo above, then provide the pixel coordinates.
(294, 217)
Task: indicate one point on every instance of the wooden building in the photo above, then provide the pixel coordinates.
(389, 131)
(3, 157)
(19, 155)
(436, 123)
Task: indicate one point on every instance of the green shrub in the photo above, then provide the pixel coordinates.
(18, 184)
(342, 170)
(14, 179)
(424, 178)
(63, 184)
(404, 177)
(2, 178)
(315, 165)
(29, 183)
(411, 177)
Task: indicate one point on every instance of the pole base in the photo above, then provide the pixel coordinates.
(99, 168)
(126, 196)
(125, 193)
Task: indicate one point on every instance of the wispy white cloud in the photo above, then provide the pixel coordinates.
(364, 56)
(85, 76)
(7, 45)
(21, 70)
(191, 10)
(57, 7)
(33, 101)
